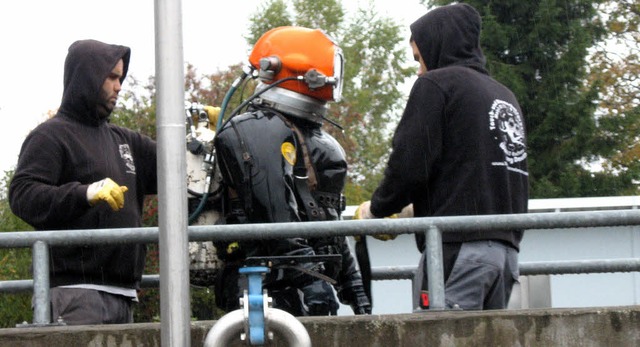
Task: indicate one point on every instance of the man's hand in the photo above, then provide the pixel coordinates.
(407, 212)
(107, 190)
(363, 211)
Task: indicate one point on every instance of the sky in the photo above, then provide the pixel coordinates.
(35, 36)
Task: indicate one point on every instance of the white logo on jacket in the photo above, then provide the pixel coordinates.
(125, 154)
(507, 125)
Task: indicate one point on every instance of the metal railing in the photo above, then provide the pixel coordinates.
(433, 228)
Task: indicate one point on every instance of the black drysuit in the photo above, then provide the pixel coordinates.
(262, 161)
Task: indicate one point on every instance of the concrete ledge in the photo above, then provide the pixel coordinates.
(606, 326)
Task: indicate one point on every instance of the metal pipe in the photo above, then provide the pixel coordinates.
(403, 272)
(286, 325)
(435, 268)
(16, 286)
(408, 272)
(392, 226)
(41, 307)
(225, 330)
(565, 267)
(230, 327)
(397, 226)
(172, 186)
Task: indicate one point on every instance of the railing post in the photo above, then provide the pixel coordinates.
(435, 269)
(41, 307)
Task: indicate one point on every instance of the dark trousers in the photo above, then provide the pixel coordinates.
(79, 306)
(479, 275)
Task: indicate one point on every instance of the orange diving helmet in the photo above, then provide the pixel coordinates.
(308, 55)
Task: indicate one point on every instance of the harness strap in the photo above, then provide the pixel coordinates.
(308, 167)
(305, 178)
(362, 255)
(247, 161)
(331, 200)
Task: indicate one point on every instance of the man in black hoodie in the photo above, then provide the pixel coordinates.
(459, 149)
(78, 171)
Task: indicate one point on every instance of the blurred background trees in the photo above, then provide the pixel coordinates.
(572, 64)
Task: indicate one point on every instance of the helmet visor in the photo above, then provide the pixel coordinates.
(338, 71)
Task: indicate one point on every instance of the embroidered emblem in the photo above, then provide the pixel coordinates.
(507, 127)
(127, 157)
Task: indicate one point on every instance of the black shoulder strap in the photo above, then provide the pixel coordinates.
(247, 163)
(305, 178)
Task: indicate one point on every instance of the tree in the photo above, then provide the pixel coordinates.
(372, 99)
(614, 71)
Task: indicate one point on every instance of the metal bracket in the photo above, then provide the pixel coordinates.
(254, 304)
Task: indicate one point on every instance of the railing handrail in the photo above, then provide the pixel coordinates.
(407, 272)
(433, 227)
(241, 232)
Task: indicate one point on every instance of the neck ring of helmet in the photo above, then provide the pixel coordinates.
(294, 104)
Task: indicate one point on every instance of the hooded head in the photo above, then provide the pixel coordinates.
(449, 35)
(87, 66)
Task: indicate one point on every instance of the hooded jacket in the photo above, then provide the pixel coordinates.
(460, 146)
(62, 156)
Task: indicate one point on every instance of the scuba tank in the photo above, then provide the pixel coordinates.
(203, 188)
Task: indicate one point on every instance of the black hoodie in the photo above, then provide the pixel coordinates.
(63, 155)
(460, 147)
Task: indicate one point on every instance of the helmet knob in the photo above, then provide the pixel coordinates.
(269, 67)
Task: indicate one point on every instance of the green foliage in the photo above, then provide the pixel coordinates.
(137, 107)
(271, 14)
(614, 71)
(15, 308)
(14, 265)
(327, 15)
(203, 305)
(375, 52)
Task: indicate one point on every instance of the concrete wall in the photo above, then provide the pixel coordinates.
(605, 326)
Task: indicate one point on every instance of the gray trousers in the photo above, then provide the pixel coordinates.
(79, 306)
(481, 277)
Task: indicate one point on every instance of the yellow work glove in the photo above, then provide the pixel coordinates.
(364, 212)
(107, 190)
(407, 212)
(232, 247)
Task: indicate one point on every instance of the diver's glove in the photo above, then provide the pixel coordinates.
(356, 298)
(106, 190)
